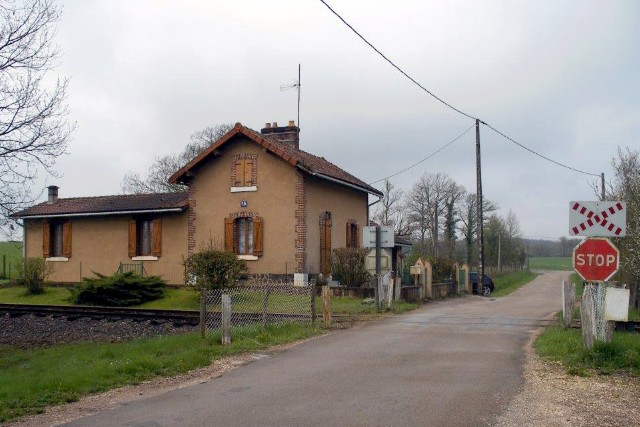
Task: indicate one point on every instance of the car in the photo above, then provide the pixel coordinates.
(486, 281)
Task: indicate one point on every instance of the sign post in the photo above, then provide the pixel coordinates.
(596, 260)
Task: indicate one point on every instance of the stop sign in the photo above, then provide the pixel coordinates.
(596, 259)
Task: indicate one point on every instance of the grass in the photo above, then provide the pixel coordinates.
(565, 346)
(509, 282)
(551, 263)
(34, 379)
(355, 306)
(51, 296)
(10, 253)
(175, 299)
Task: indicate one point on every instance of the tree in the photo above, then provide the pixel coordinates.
(468, 224)
(626, 187)
(391, 210)
(34, 130)
(157, 178)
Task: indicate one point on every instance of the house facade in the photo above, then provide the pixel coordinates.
(253, 193)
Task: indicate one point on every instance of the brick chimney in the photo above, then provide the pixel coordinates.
(286, 134)
(53, 194)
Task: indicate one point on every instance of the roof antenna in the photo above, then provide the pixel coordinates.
(295, 85)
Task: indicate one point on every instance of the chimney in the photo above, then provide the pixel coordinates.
(286, 134)
(53, 194)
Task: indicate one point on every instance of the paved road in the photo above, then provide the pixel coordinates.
(452, 363)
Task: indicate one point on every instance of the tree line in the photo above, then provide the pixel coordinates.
(439, 216)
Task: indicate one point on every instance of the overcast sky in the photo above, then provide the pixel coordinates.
(559, 77)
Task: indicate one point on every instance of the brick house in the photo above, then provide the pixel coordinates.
(254, 193)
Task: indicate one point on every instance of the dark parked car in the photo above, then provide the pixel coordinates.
(486, 281)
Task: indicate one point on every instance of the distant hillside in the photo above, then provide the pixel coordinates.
(550, 248)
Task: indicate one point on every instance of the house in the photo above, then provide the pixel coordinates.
(254, 193)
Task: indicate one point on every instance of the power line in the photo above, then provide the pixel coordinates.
(426, 158)
(414, 81)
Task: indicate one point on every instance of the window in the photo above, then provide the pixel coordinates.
(56, 239)
(244, 173)
(243, 236)
(145, 237)
(352, 240)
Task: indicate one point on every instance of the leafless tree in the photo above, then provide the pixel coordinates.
(34, 130)
(391, 210)
(626, 187)
(157, 177)
(417, 205)
(468, 224)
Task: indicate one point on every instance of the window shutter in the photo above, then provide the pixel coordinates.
(66, 239)
(239, 166)
(228, 234)
(348, 245)
(357, 236)
(46, 243)
(248, 171)
(257, 236)
(157, 237)
(132, 238)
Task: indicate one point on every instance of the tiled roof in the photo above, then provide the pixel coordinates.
(296, 157)
(78, 206)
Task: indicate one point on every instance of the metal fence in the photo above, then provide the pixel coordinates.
(257, 305)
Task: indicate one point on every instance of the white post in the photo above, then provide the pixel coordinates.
(226, 319)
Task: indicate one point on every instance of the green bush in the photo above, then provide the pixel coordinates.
(32, 273)
(347, 266)
(212, 269)
(119, 290)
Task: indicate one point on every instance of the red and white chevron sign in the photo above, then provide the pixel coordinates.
(598, 219)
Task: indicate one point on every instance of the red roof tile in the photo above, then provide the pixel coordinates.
(79, 206)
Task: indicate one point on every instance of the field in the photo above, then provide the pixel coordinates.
(551, 263)
(10, 253)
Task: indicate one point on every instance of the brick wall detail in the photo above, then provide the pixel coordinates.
(300, 224)
(254, 167)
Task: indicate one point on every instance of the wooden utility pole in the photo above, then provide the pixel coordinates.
(479, 213)
(602, 195)
(378, 266)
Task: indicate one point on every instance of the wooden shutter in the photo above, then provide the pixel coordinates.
(325, 246)
(239, 180)
(157, 237)
(248, 173)
(228, 235)
(66, 239)
(348, 245)
(132, 238)
(257, 236)
(46, 242)
(356, 228)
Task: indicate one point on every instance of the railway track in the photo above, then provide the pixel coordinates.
(72, 312)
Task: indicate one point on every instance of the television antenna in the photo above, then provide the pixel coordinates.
(295, 85)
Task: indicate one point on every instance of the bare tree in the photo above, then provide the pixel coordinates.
(468, 224)
(452, 216)
(34, 130)
(391, 211)
(157, 177)
(626, 187)
(417, 205)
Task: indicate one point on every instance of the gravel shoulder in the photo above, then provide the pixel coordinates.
(552, 398)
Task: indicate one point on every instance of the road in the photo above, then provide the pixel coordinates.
(455, 362)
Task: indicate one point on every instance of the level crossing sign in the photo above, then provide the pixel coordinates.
(598, 219)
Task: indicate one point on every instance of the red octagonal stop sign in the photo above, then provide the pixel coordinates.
(596, 259)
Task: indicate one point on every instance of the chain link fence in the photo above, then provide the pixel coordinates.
(257, 305)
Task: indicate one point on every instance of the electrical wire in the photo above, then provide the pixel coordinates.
(426, 158)
(414, 81)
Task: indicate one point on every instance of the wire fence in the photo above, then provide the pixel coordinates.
(257, 305)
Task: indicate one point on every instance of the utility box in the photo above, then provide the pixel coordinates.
(617, 304)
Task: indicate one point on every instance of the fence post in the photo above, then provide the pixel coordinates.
(203, 312)
(312, 285)
(326, 304)
(226, 319)
(265, 307)
(568, 301)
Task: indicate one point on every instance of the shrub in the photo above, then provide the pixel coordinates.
(119, 290)
(347, 266)
(212, 269)
(32, 273)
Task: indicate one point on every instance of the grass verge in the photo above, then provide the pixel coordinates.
(10, 253)
(50, 296)
(565, 346)
(551, 263)
(509, 282)
(34, 379)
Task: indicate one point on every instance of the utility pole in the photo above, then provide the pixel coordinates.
(602, 195)
(378, 266)
(479, 213)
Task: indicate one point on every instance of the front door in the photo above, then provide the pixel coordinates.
(325, 243)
